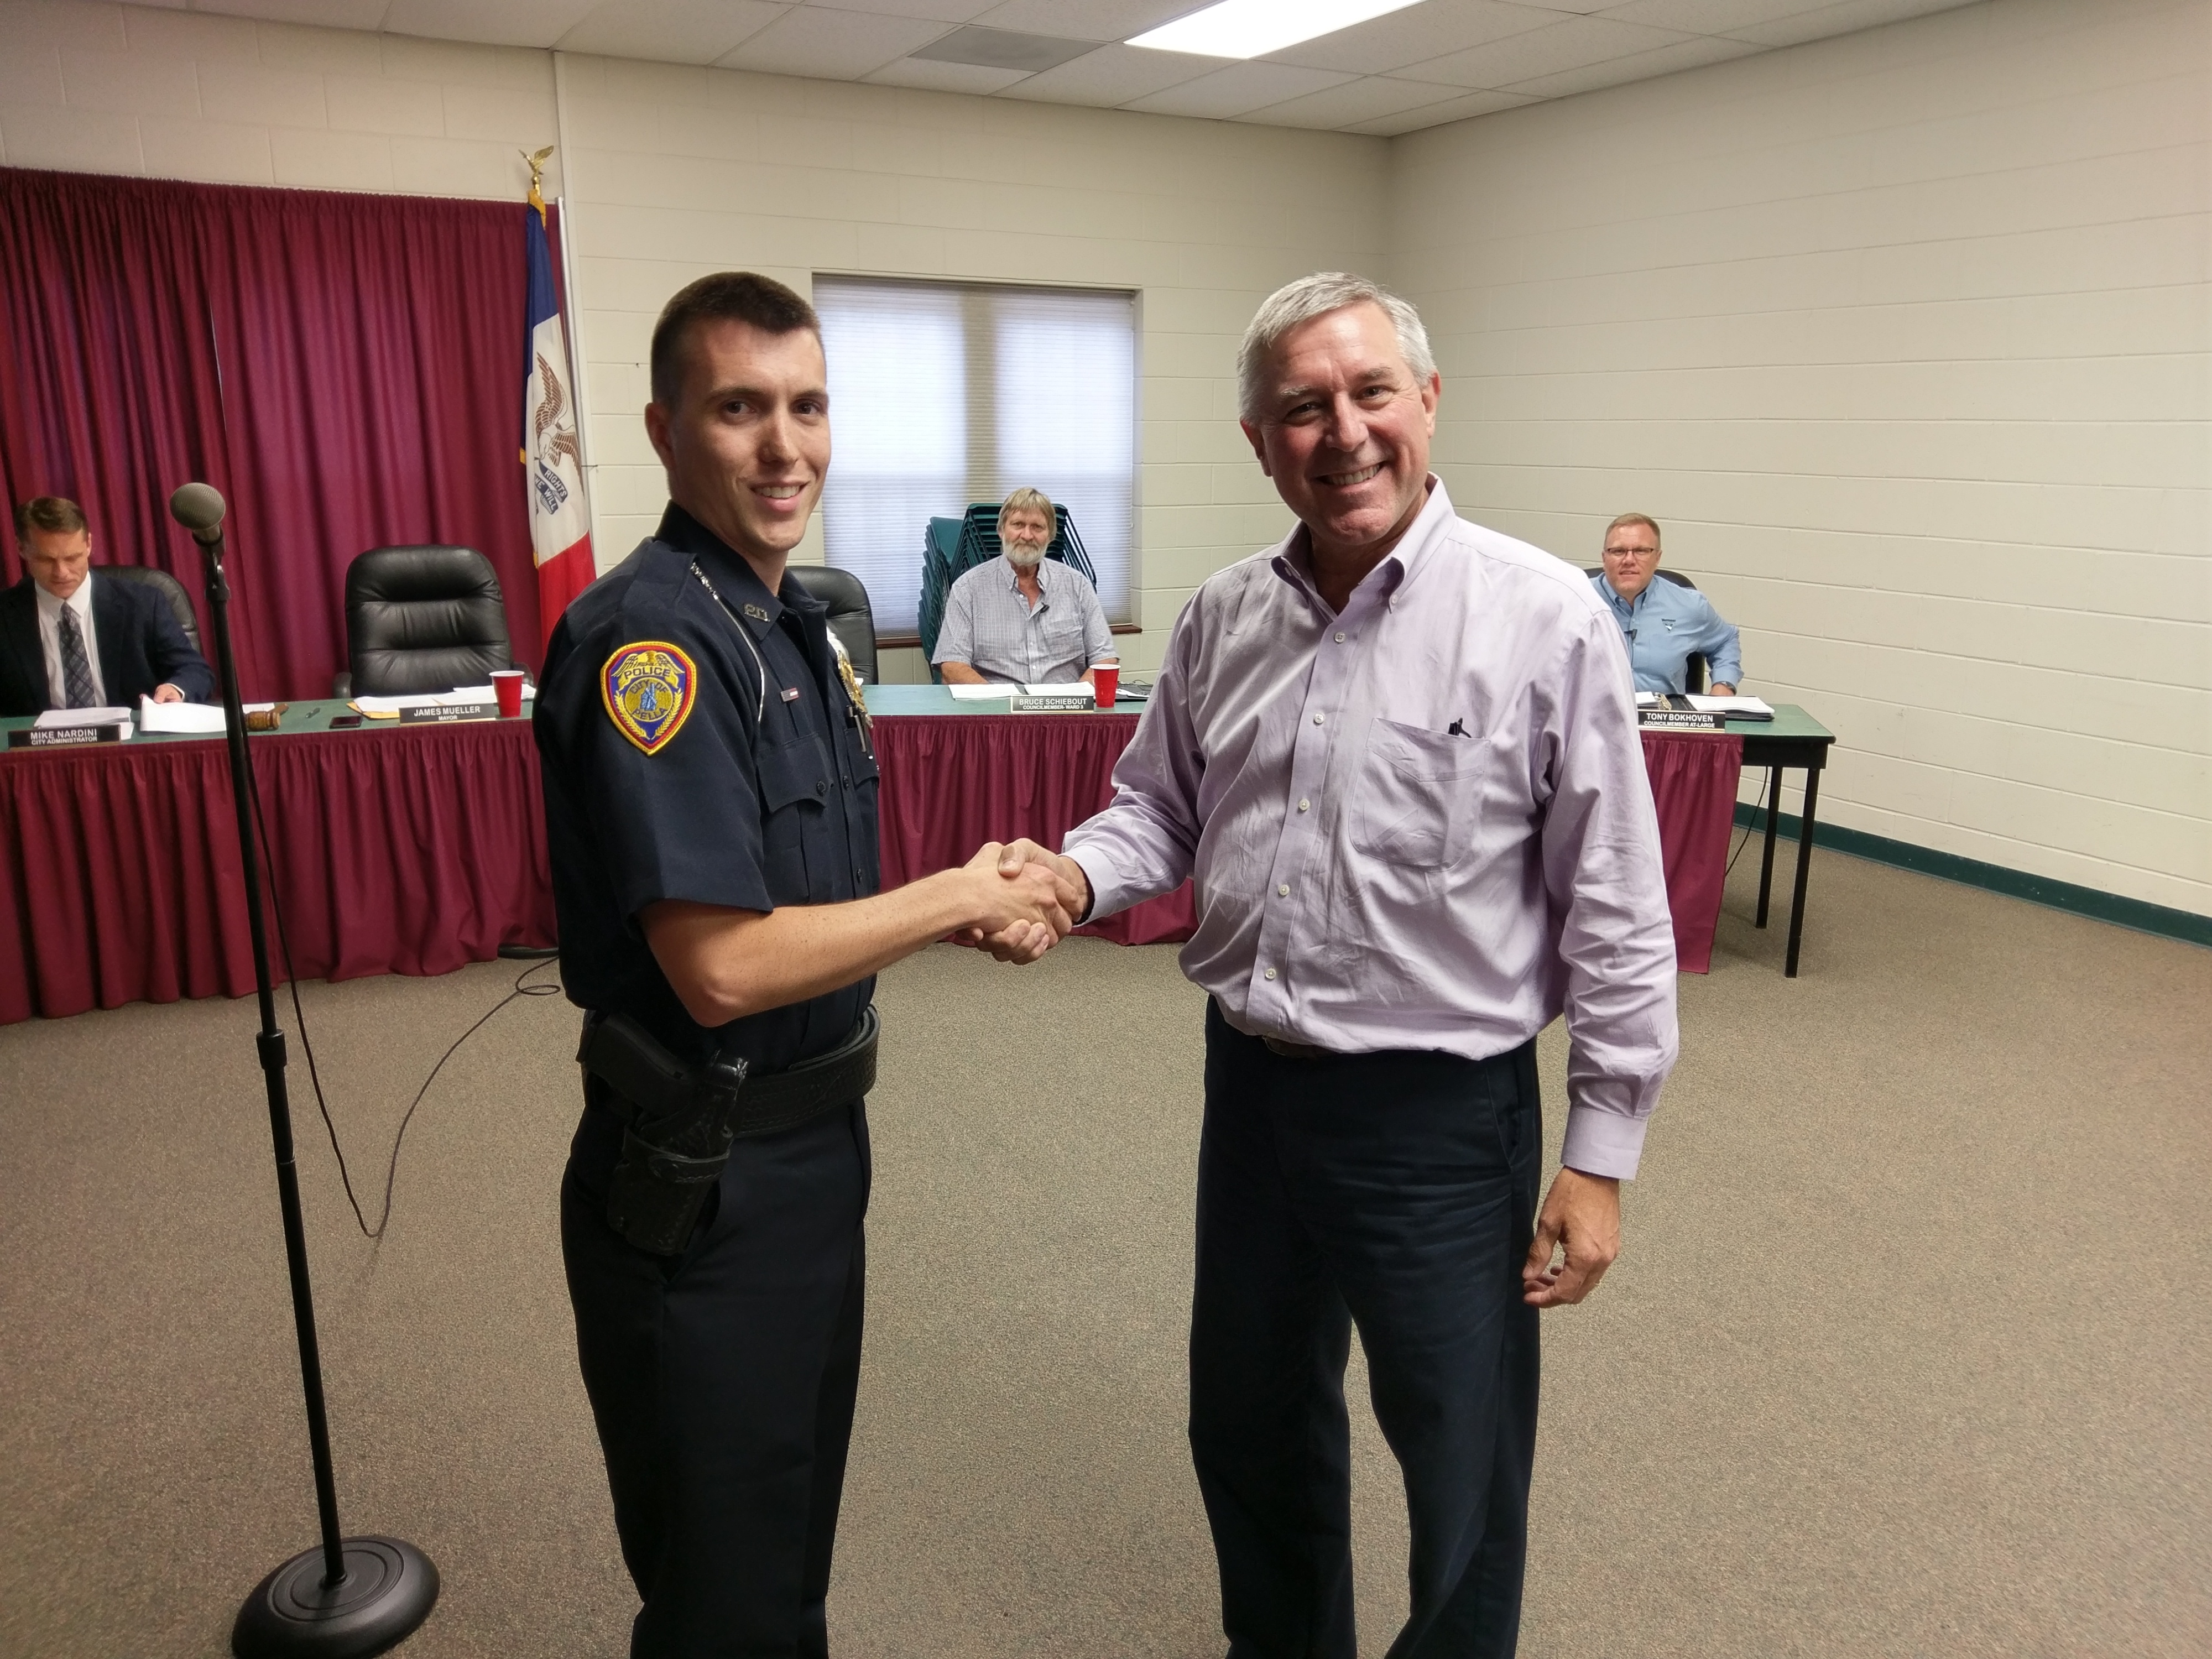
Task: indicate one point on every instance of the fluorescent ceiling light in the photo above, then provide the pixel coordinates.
(1247, 28)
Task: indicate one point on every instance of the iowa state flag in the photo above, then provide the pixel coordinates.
(560, 527)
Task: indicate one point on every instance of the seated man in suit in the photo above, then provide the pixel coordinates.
(1023, 618)
(70, 639)
(1663, 623)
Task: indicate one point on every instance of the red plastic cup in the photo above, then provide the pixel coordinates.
(1107, 677)
(506, 682)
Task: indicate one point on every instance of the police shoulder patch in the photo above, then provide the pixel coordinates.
(648, 689)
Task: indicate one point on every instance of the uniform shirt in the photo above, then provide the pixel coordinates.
(50, 642)
(1664, 625)
(744, 793)
(1422, 822)
(989, 626)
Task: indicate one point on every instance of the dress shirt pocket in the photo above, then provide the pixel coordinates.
(794, 790)
(1419, 795)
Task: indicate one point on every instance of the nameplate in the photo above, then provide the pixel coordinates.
(450, 714)
(66, 737)
(1062, 705)
(1679, 719)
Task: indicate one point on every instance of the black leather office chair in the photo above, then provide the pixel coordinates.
(851, 618)
(1693, 670)
(171, 590)
(421, 619)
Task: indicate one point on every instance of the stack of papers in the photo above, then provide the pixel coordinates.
(981, 693)
(1059, 689)
(192, 717)
(55, 718)
(1739, 707)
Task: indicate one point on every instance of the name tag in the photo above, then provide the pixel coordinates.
(791, 694)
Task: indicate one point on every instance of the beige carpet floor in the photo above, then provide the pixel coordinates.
(1909, 1354)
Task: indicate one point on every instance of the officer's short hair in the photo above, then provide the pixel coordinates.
(1029, 500)
(738, 296)
(1628, 519)
(55, 514)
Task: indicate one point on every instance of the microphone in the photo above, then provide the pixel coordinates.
(199, 509)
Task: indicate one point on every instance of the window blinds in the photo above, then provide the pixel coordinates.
(945, 393)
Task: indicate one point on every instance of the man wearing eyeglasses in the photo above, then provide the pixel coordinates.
(1664, 624)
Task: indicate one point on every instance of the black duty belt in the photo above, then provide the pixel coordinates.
(637, 1065)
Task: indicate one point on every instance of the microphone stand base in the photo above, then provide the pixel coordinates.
(388, 1590)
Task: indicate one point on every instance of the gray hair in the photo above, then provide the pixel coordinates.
(1026, 500)
(1314, 296)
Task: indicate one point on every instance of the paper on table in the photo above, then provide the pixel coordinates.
(1059, 689)
(54, 718)
(1647, 699)
(179, 716)
(981, 693)
(1706, 705)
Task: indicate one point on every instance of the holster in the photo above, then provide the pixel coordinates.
(676, 1147)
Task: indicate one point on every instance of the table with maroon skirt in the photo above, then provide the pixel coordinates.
(417, 848)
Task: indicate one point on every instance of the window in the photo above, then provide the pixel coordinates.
(945, 393)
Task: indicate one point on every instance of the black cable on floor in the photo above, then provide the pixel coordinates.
(300, 1017)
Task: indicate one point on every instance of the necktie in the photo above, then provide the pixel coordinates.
(76, 667)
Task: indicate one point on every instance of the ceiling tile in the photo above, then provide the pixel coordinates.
(945, 77)
(669, 31)
(835, 46)
(493, 23)
(1851, 15)
(1087, 20)
(1435, 115)
(1003, 49)
(1415, 35)
(1571, 43)
(941, 11)
(1639, 66)
(1113, 76)
(320, 14)
(1709, 17)
(1238, 90)
(1367, 98)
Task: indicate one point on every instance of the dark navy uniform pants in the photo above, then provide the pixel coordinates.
(723, 1381)
(1398, 1191)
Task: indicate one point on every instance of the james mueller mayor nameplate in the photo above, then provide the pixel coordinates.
(446, 715)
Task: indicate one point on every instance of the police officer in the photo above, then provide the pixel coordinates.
(710, 800)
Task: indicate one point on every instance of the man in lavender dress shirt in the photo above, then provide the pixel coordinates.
(1398, 752)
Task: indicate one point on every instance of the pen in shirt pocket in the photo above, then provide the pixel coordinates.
(1455, 730)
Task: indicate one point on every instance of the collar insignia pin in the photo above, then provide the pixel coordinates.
(756, 613)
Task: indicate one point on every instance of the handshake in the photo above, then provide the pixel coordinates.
(1023, 899)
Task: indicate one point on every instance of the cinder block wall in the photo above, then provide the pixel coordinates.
(1903, 337)
(678, 171)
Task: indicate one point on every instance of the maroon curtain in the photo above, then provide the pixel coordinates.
(1693, 782)
(952, 782)
(345, 368)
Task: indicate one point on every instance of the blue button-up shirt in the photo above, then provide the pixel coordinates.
(1663, 625)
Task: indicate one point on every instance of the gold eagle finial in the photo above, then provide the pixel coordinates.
(536, 160)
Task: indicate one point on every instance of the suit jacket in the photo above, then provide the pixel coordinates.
(140, 646)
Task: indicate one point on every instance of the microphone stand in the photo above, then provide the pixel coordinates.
(351, 1596)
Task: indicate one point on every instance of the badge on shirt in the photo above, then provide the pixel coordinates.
(648, 689)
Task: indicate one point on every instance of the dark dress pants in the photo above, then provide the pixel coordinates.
(1398, 1191)
(723, 1381)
